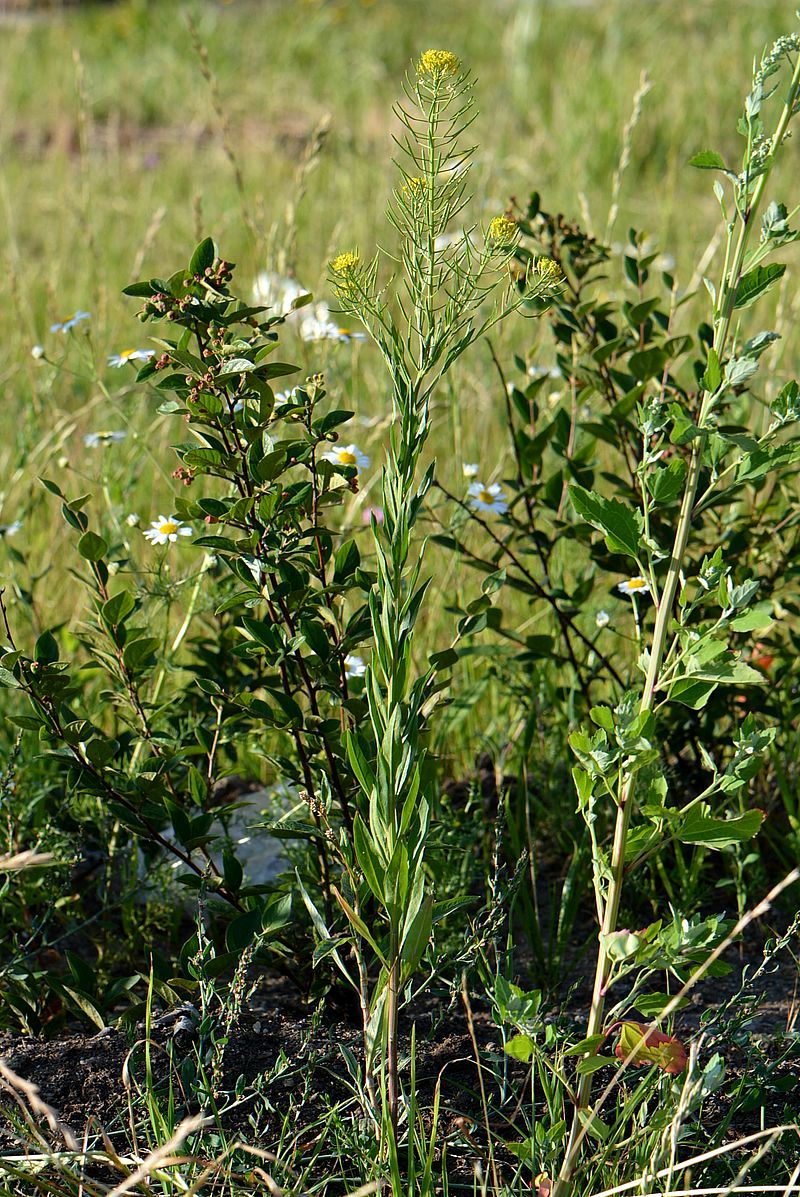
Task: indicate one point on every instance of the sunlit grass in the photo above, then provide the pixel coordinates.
(115, 159)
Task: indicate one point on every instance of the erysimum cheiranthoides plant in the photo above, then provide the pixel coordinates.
(690, 650)
(445, 294)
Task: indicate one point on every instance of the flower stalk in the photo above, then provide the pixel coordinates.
(451, 293)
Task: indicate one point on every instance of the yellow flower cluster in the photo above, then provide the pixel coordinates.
(438, 63)
(502, 231)
(344, 269)
(344, 265)
(549, 273)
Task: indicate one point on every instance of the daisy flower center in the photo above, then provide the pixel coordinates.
(168, 528)
(486, 496)
(347, 458)
(637, 584)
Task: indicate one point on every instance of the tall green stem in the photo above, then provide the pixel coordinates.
(731, 277)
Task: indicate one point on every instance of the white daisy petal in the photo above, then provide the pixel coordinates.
(95, 439)
(65, 326)
(166, 530)
(354, 666)
(487, 498)
(634, 586)
(130, 355)
(277, 292)
(347, 455)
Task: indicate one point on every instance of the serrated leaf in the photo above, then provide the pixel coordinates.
(740, 370)
(708, 160)
(757, 282)
(620, 526)
(666, 482)
(700, 827)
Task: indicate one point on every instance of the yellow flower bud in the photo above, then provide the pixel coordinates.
(549, 273)
(345, 264)
(345, 268)
(502, 231)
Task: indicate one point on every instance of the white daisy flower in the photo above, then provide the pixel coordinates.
(277, 292)
(64, 326)
(166, 529)
(130, 355)
(470, 469)
(95, 439)
(347, 455)
(37, 351)
(316, 325)
(132, 520)
(488, 498)
(634, 586)
(10, 529)
(602, 619)
(354, 666)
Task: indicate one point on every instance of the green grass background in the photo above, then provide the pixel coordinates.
(115, 161)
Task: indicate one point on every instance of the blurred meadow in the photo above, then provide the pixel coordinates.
(129, 130)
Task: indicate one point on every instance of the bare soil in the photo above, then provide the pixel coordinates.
(291, 1053)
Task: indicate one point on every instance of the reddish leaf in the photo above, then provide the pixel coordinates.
(651, 1047)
